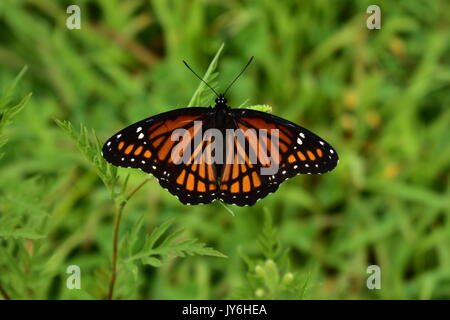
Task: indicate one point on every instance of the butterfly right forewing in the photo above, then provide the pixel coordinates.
(287, 148)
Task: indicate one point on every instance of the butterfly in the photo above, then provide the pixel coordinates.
(203, 154)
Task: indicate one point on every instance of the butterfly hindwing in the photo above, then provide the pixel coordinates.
(196, 180)
(241, 182)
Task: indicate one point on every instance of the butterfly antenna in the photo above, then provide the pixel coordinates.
(185, 63)
(229, 86)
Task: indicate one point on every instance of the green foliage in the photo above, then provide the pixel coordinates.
(90, 147)
(202, 96)
(380, 97)
(168, 247)
(22, 216)
(7, 112)
(150, 253)
(269, 276)
(261, 107)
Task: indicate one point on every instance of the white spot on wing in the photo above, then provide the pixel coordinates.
(299, 141)
(141, 135)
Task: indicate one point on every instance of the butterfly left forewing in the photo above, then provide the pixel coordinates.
(148, 145)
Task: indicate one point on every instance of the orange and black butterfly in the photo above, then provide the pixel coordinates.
(188, 165)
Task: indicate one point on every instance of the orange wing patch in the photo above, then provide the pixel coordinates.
(138, 150)
(199, 174)
(190, 183)
(129, 149)
(301, 156)
(256, 179)
(311, 155)
(319, 152)
(235, 187)
(201, 187)
(246, 186)
(180, 179)
(147, 154)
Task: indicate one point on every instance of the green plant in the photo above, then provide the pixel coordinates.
(14, 223)
(7, 112)
(269, 275)
(149, 254)
(380, 97)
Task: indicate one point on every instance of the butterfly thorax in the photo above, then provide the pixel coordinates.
(221, 110)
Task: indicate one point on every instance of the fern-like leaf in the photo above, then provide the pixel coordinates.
(8, 112)
(90, 147)
(161, 246)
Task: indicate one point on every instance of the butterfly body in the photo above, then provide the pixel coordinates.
(238, 177)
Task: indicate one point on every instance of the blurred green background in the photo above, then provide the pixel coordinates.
(380, 97)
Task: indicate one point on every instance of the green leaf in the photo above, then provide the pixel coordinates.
(7, 95)
(269, 237)
(208, 77)
(22, 214)
(157, 233)
(161, 246)
(90, 147)
(151, 261)
(227, 208)
(8, 112)
(260, 107)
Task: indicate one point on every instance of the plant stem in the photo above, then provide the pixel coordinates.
(119, 213)
(5, 294)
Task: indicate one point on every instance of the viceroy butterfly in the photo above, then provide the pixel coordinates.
(149, 145)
